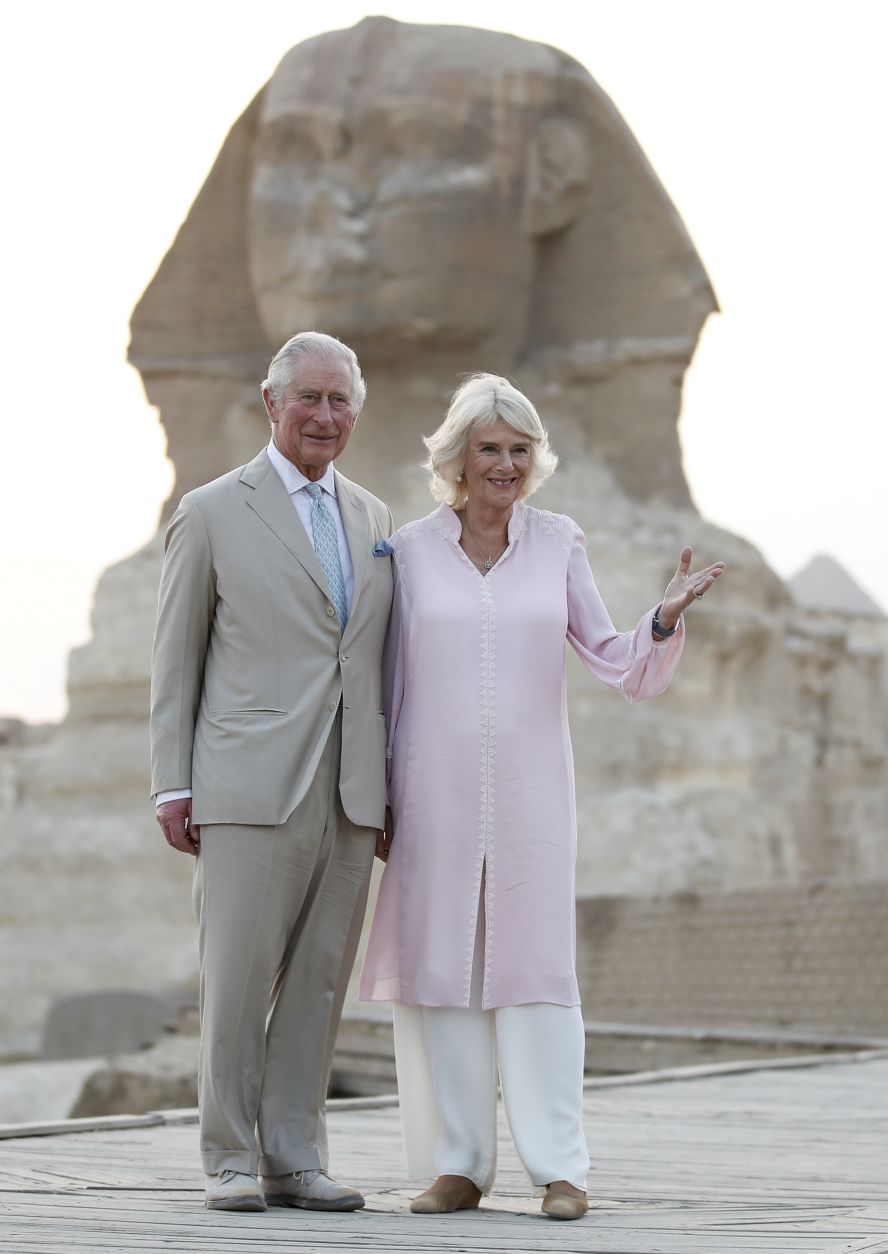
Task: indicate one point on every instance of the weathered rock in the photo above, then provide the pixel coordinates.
(42, 1090)
(113, 1021)
(450, 200)
(161, 1078)
(808, 956)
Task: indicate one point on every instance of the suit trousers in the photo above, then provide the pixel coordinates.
(448, 1061)
(280, 910)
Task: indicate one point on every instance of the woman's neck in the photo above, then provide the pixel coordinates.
(487, 521)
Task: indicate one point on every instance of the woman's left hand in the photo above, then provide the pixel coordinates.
(684, 588)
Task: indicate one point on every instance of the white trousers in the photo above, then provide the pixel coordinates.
(447, 1061)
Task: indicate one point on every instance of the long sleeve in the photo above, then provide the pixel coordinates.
(186, 605)
(632, 661)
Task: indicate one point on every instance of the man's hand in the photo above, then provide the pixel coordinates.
(384, 838)
(174, 818)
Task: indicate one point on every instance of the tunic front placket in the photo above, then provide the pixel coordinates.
(485, 866)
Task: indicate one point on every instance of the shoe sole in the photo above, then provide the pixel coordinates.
(445, 1210)
(562, 1215)
(236, 1203)
(284, 1199)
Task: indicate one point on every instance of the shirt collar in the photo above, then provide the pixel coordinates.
(292, 478)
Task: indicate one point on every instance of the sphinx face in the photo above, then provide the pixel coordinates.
(386, 203)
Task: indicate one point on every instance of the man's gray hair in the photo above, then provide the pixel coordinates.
(315, 343)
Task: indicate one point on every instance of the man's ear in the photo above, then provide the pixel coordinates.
(558, 172)
(270, 407)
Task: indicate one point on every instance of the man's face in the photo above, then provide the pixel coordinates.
(314, 418)
(386, 202)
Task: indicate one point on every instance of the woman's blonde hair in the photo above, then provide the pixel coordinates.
(479, 402)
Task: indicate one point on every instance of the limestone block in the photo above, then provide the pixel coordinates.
(107, 677)
(114, 1021)
(161, 1078)
(805, 957)
(42, 1090)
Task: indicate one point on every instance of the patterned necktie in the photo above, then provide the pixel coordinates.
(323, 530)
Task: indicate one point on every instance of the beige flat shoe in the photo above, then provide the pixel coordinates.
(564, 1206)
(465, 1196)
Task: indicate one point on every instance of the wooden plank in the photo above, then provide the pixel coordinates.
(789, 1159)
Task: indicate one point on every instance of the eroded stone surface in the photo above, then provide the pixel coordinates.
(111, 1021)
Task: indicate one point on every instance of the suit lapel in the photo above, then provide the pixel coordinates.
(269, 499)
(356, 522)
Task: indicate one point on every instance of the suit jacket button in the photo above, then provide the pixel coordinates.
(332, 705)
(330, 611)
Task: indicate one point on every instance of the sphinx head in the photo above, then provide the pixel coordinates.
(444, 200)
(409, 183)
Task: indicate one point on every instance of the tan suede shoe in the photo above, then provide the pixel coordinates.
(564, 1206)
(464, 1196)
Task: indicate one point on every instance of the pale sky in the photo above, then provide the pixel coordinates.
(765, 122)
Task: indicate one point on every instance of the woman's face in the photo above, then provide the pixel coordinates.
(498, 462)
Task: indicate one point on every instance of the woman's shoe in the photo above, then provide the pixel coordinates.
(565, 1205)
(462, 1195)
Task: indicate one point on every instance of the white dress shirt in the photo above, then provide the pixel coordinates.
(295, 481)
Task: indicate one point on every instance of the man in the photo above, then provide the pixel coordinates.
(268, 753)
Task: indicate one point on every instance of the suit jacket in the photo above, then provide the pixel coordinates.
(249, 668)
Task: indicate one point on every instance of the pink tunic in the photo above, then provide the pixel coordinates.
(481, 765)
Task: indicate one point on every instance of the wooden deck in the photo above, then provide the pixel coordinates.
(777, 1159)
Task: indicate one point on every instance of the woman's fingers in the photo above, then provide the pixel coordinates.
(714, 570)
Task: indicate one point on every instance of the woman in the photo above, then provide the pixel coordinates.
(474, 933)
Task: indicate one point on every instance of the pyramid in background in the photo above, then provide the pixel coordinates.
(824, 584)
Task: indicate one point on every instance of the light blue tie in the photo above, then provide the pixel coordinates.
(323, 531)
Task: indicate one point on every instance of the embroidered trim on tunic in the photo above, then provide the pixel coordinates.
(549, 523)
(488, 773)
(402, 535)
(487, 789)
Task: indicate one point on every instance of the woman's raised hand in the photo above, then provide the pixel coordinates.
(685, 588)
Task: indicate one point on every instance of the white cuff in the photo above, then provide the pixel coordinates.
(176, 795)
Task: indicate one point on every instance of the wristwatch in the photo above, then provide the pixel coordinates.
(658, 629)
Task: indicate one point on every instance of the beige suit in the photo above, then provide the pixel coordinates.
(249, 667)
(275, 723)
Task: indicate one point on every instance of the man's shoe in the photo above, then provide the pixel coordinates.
(564, 1205)
(232, 1190)
(313, 1190)
(463, 1195)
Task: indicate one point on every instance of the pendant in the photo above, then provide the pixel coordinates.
(488, 563)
